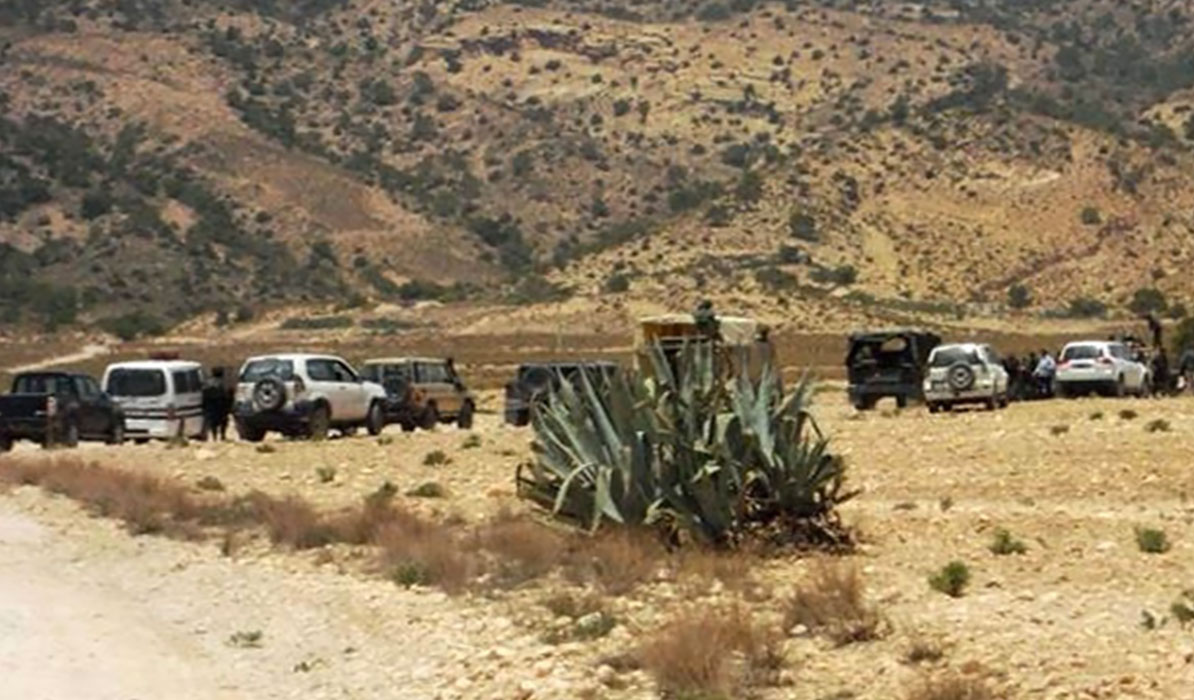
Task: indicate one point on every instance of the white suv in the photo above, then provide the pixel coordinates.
(1100, 366)
(965, 373)
(305, 395)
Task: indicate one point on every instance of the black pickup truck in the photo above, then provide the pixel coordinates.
(58, 409)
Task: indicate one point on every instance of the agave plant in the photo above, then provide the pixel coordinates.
(686, 448)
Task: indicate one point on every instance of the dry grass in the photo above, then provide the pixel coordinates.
(951, 687)
(832, 602)
(711, 653)
(616, 560)
(923, 650)
(520, 548)
(145, 504)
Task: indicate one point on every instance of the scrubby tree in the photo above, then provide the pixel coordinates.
(1148, 300)
(803, 226)
(1019, 297)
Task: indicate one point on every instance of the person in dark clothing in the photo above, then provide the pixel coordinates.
(1162, 383)
(217, 404)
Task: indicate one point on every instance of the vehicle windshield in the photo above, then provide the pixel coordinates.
(41, 384)
(269, 367)
(944, 357)
(137, 382)
(1081, 352)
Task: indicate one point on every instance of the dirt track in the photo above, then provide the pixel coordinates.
(1061, 621)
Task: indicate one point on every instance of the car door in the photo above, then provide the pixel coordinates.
(76, 392)
(354, 401)
(321, 384)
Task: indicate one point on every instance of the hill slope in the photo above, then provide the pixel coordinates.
(801, 160)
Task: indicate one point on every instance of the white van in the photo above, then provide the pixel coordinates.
(162, 399)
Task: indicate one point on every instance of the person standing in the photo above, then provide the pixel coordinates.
(1046, 369)
(217, 404)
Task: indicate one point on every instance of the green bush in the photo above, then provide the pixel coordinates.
(1019, 297)
(1148, 300)
(952, 579)
(1152, 541)
(1091, 217)
(616, 283)
(1005, 544)
(803, 226)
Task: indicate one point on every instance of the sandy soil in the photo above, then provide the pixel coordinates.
(1061, 621)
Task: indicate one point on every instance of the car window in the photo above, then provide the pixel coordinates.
(944, 357)
(86, 388)
(432, 373)
(1081, 352)
(372, 373)
(42, 384)
(187, 381)
(1118, 351)
(321, 370)
(343, 372)
(268, 367)
(136, 382)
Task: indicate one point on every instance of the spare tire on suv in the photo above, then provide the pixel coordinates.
(269, 394)
(960, 376)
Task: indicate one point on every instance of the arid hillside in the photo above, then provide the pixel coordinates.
(819, 162)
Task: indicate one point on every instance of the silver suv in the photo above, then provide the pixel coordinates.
(305, 395)
(965, 373)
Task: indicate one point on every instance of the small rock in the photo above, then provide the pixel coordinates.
(606, 675)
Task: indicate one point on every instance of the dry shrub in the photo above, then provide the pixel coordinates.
(951, 687)
(833, 603)
(568, 604)
(291, 521)
(923, 650)
(520, 549)
(145, 504)
(704, 565)
(616, 560)
(422, 552)
(710, 653)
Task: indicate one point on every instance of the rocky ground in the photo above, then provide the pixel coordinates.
(124, 616)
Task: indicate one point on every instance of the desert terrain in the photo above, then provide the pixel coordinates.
(1069, 617)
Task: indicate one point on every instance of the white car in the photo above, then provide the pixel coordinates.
(305, 395)
(1100, 366)
(161, 399)
(965, 373)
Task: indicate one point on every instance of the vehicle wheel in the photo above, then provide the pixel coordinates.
(901, 402)
(116, 435)
(348, 431)
(375, 422)
(465, 420)
(5, 443)
(249, 433)
(992, 403)
(318, 423)
(430, 418)
(933, 408)
(1120, 388)
(408, 426)
(1004, 401)
(269, 394)
(864, 404)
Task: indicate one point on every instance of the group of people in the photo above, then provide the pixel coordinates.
(1030, 378)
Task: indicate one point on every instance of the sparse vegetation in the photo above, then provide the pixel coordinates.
(952, 579)
(325, 474)
(428, 489)
(832, 602)
(1059, 430)
(1128, 414)
(923, 650)
(209, 483)
(1157, 425)
(951, 687)
(436, 458)
(1152, 541)
(471, 442)
(690, 656)
(1004, 544)
(246, 639)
